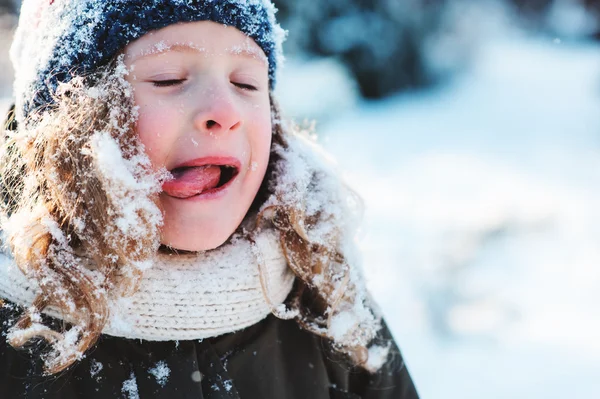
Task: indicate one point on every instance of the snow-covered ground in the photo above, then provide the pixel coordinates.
(483, 217)
(483, 220)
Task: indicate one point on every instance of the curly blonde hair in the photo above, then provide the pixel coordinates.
(69, 238)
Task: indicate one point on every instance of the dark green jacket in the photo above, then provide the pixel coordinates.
(273, 359)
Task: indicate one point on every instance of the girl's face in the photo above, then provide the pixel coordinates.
(204, 115)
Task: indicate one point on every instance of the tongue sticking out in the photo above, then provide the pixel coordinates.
(192, 181)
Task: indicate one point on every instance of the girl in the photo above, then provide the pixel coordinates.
(166, 235)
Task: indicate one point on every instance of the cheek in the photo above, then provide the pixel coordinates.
(261, 140)
(153, 127)
(261, 152)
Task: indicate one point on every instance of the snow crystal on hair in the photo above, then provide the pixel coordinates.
(318, 216)
(64, 200)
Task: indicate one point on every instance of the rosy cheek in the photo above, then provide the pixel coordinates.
(266, 134)
(153, 133)
(262, 150)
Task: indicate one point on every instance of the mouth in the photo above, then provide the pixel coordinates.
(226, 173)
(201, 178)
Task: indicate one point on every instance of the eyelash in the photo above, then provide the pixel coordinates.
(168, 82)
(175, 82)
(245, 86)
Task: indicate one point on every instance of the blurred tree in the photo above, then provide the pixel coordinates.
(538, 15)
(532, 8)
(381, 41)
(8, 6)
(385, 43)
(593, 7)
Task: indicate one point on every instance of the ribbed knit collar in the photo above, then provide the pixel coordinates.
(188, 296)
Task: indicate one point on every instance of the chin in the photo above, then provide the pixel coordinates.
(195, 241)
(201, 226)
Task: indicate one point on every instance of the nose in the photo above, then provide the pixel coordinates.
(217, 113)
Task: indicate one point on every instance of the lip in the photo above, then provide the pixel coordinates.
(211, 160)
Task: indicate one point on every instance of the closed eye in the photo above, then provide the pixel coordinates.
(167, 82)
(245, 86)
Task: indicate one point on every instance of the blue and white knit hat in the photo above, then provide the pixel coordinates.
(59, 39)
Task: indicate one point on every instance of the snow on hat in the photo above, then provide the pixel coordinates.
(59, 39)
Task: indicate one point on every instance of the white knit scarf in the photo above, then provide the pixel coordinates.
(188, 296)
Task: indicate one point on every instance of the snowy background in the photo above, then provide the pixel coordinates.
(481, 176)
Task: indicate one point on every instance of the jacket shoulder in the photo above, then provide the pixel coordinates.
(279, 359)
(391, 381)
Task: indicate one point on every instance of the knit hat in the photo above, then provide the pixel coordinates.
(57, 40)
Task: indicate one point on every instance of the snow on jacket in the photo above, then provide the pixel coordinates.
(273, 359)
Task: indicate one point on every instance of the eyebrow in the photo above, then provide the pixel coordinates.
(162, 47)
